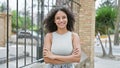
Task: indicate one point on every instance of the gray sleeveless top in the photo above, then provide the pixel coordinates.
(61, 45)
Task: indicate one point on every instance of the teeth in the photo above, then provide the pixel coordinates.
(61, 24)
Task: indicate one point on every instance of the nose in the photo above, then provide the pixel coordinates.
(61, 19)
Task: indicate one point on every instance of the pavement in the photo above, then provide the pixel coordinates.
(106, 62)
(12, 56)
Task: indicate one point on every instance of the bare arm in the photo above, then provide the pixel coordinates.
(53, 61)
(74, 57)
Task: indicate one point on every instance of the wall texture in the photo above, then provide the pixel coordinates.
(85, 27)
(3, 28)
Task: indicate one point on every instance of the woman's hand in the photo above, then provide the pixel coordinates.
(75, 52)
(48, 54)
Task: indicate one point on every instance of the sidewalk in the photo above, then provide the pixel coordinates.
(12, 55)
(106, 63)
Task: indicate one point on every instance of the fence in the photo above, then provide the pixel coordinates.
(27, 23)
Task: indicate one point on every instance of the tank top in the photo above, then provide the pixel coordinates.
(61, 45)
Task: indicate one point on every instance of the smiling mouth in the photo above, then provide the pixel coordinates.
(62, 23)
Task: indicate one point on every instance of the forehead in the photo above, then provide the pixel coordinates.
(60, 13)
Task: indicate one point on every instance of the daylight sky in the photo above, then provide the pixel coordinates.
(12, 3)
(97, 3)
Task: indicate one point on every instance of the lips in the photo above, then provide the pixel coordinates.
(61, 24)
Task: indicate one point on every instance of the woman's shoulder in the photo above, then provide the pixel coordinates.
(48, 34)
(75, 34)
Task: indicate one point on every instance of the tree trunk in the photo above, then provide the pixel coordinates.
(116, 35)
(110, 54)
(103, 49)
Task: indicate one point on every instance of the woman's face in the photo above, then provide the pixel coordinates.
(61, 19)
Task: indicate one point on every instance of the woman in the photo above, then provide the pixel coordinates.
(61, 44)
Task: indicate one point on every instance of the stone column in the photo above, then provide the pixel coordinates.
(3, 28)
(85, 27)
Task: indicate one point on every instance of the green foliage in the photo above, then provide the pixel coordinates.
(105, 17)
(14, 20)
(27, 23)
(34, 28)
(21, 21)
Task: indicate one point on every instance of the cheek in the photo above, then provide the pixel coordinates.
(66, 21)
(55, 21)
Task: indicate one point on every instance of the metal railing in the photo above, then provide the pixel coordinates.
(36, 17)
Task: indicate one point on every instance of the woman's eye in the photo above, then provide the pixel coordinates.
(63, 17)
(57, 18)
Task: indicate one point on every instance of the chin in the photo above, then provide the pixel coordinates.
(62, 27)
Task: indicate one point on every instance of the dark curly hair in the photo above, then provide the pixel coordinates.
(49, 20)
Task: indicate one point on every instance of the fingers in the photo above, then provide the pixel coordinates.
(45, 51)
(76, 51)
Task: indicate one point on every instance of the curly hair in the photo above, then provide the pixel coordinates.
(49, 20)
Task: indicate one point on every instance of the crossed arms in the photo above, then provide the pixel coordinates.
(49, 57)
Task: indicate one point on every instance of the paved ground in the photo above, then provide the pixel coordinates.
(12, 56)
(107, 62)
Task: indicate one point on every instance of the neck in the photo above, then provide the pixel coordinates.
(61, 31)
